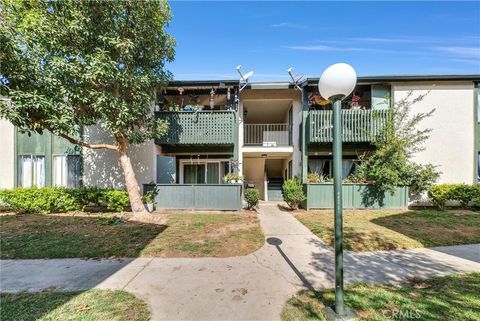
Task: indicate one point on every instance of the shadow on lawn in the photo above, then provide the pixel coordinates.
(434, 228)
(354, 240)
(58, 236)
(55, 283)
(443, 298)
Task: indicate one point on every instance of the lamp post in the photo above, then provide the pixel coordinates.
(336, 83)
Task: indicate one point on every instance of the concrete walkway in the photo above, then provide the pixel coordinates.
(252, 287)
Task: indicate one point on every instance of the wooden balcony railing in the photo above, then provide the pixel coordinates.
(359, 126)
(268, 135)
(198, 128)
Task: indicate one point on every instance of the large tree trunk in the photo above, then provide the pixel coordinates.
(131, 183)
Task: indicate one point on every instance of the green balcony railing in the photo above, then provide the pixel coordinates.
(359, 126)
(198, 128)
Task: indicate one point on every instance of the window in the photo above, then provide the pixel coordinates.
(66, 170)
(204, 172)
(31, 171)
(478, 168)
(325, 167)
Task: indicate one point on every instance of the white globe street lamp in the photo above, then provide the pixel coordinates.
(336, 83)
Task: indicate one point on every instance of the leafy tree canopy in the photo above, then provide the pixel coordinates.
(69, 64)
(390, 165)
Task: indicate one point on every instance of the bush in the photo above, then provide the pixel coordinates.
(116, 200)
(40, 200)
(58, 199)
(293, 193)
(252, 195)
(466, 195)
(314, 177)
(463, 193)
(440, 194)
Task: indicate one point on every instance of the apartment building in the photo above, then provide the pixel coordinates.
(266, 132)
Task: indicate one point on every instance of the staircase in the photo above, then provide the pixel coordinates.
(275, 189)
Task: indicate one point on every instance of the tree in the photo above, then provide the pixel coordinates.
(390, 165)
(65, 65)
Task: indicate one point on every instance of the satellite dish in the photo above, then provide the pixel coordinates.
(243, 78)
(295, 79)
(298, 77)
(247, 75)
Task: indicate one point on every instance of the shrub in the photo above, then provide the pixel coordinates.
(58, 199)
(293, 193)
(466, 195)
(463, 193)
(440, 194)
(116, 200)
(314, 177)
(40, 200)
(252, 195)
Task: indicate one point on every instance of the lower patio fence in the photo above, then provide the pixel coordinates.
(223, 197)
(355, 196)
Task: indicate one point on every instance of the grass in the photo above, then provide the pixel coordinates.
(105, 236)
(99, 305)
(374, 230)
(452, 298)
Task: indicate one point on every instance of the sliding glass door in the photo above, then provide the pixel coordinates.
(202, 173)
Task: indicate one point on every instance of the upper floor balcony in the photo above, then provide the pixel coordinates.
(216, 127)
(359, 126)
(266, 135)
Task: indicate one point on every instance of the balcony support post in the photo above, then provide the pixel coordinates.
(236, 143)
(304, 128)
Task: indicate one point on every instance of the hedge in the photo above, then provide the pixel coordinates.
(466, 195)
(58, 199)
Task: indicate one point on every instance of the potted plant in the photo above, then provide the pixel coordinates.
(149, 199)
(233, 178)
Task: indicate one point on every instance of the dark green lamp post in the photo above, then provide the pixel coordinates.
(336, 83)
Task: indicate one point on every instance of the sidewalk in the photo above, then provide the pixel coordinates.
(252, 287)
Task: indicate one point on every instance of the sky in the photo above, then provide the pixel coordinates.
(376, 38)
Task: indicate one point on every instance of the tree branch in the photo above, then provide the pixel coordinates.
(91, 146)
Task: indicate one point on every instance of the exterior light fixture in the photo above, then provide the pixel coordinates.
(336, 83)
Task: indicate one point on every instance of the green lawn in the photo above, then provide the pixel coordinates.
(451, 298)
(88, 236)
(98, 305)
(371, 230)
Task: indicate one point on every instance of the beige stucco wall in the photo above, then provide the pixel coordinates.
(253, 171)
(450, 145)
(101, 167)
(296, 101)
(7, 150)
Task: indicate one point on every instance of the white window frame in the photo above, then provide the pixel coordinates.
(201, 161)
(20, 173)
(66, 163)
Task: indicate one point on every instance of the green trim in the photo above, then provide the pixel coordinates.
(393, 78)
(269, 86)
(46, 145)
(476, 131)
(236, 149)
(15, 157)
(305, 128)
